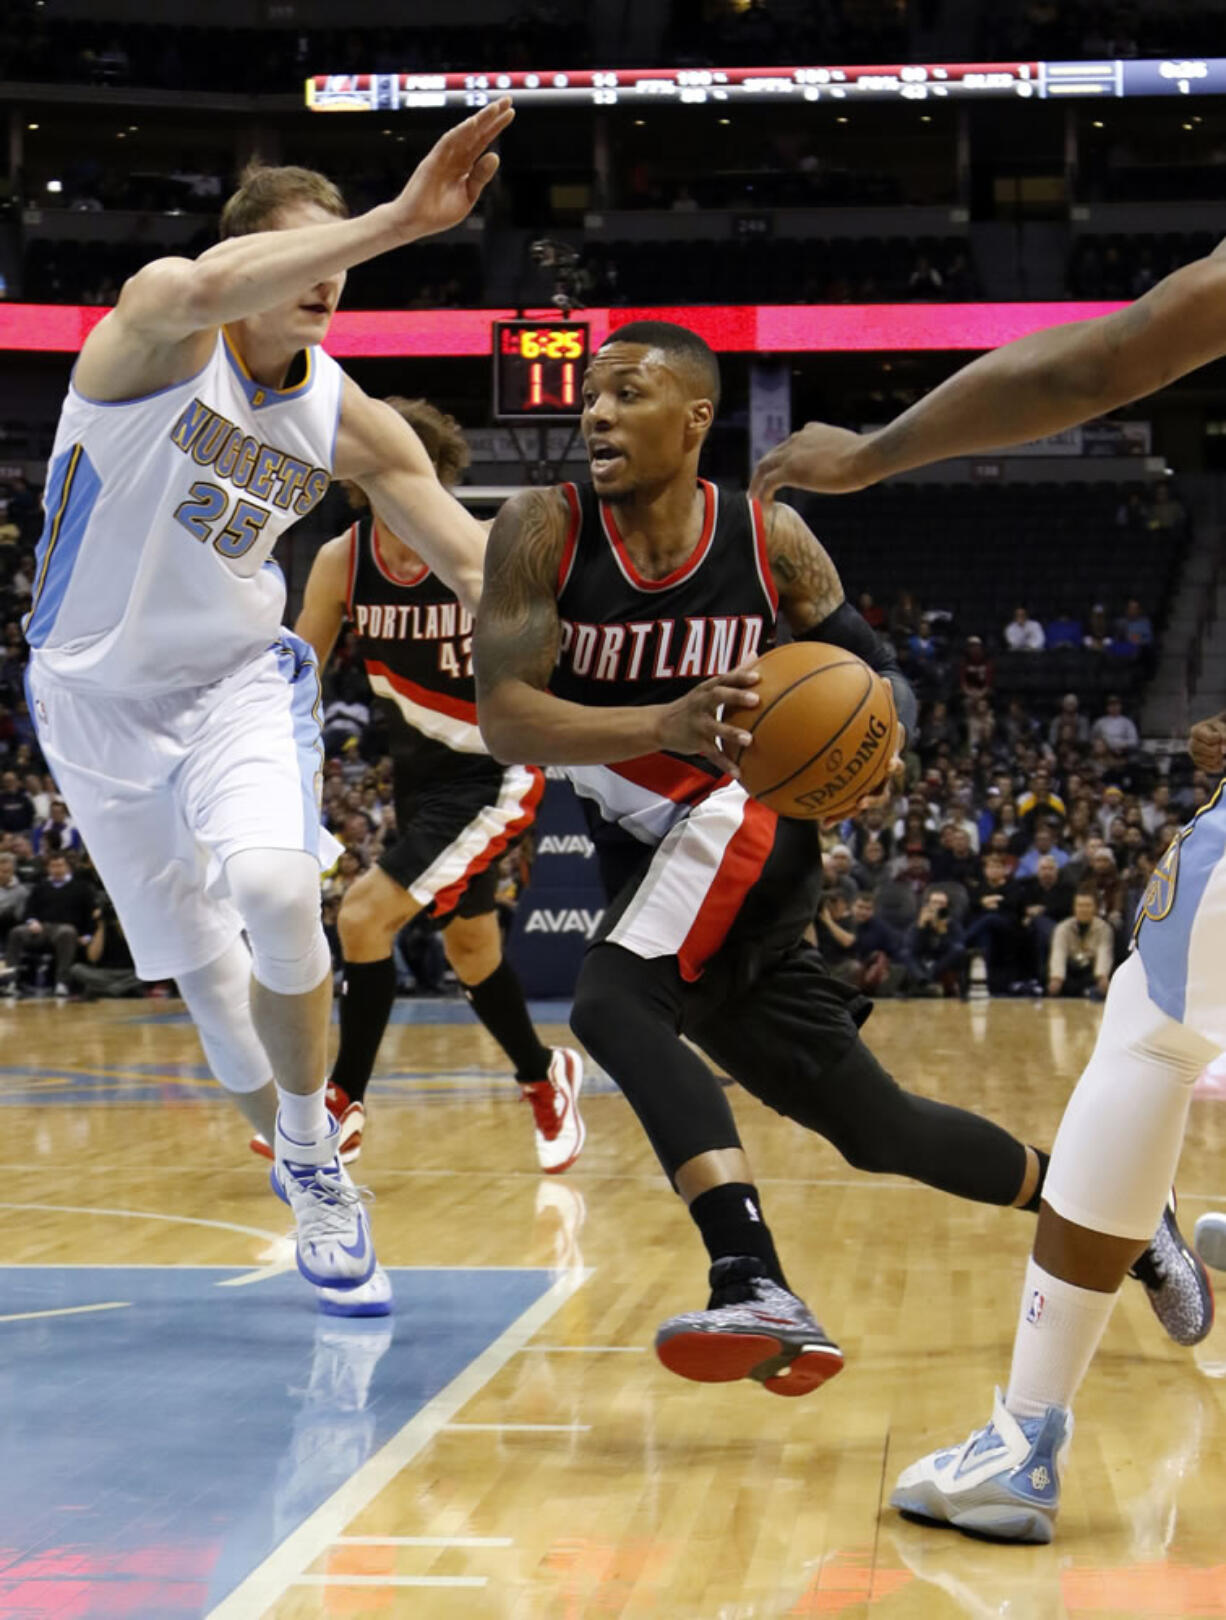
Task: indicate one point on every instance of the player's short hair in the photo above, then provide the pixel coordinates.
(690, 354)
(265, 188)
(442, 439)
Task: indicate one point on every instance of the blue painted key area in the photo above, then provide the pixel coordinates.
(168, 1445)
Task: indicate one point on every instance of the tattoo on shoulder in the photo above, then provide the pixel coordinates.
(516, 634)
(809, 585)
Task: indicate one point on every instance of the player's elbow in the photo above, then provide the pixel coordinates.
(500, 734)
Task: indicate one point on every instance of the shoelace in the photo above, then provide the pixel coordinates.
(333, 1200)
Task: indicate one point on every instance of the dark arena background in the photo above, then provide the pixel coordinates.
(849, 200)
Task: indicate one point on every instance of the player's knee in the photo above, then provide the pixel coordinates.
(276, 893)
(369, 918)
(474, 948)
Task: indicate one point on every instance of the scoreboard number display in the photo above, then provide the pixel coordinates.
(538, 369)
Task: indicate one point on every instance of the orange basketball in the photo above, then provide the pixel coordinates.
(823, 731)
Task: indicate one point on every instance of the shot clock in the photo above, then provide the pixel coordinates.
(538, 369)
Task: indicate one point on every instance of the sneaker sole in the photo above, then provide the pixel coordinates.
(1000, 1523)
(722, 1358)
(330, 1307)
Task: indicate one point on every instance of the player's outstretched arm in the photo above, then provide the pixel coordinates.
(324, 602)
(378, 450)
(181, 302)
(1039, 385)
(515, 647)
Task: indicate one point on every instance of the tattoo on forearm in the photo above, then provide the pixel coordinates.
(809, 585)
(516, 634)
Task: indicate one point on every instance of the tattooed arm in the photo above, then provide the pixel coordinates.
(1038, 385)
(515, 647)
(812, 601)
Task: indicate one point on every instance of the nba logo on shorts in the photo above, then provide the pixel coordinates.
(1035, 1309)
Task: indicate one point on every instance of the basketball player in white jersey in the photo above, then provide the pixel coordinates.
(1165, 1017)
(179, 718)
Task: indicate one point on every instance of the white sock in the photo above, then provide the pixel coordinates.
(1058, 1331)
(305, 1118)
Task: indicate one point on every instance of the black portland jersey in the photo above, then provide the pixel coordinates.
(630, 640)
(416, 642)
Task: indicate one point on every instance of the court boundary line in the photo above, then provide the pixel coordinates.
(151, 1215)
(270, 1580)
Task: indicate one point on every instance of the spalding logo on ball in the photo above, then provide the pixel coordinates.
(823, 731)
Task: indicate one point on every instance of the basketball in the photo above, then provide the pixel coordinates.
(823, 731)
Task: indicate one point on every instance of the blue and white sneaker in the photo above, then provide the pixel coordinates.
(1004, 1482)
(372, 1298)
(335, 1249)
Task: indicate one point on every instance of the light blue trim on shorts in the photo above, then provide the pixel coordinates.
(296, 663)
(1165, 920)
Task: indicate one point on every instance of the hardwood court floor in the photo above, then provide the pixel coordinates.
(534, 1462)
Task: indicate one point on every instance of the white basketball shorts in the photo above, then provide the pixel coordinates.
(164, 789)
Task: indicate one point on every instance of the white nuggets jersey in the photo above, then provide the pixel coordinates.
(153, 570)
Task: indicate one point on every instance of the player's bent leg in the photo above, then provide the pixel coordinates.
(1111, 1168)
(372, 913)
(627, 1012)
(550, 1081)
(276, 893)
(218, 999)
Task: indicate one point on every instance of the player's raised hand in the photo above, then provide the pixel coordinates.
(692, 725)
(455, 171)
(1207, 744)
(818, 457)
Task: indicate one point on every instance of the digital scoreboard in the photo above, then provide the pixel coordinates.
(538, 369)
(680, 87)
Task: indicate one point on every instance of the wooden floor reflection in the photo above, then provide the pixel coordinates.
(579, 1479)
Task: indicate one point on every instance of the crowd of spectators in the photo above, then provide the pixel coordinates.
(1017, 856)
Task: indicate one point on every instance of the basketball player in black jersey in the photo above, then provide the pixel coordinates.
(612, 623)
(457, 811)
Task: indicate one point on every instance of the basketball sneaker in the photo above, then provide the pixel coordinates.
(334, 1242)
(559, 1127)
(751, 1328)
(338, 1105)
(1176, 1282)
(371, 1298)
(1003, 1482)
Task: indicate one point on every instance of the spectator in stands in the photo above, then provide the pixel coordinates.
(16, 805)
(975, 671)
(1109, 810)
(937, 729)
(41, 790)
(835, 936)
(980, 725)
(921, 646)
(1098, 634)
(872, 869)
(871, 962)
(1024, 634)
(838, 869)
(1063, 631)
(1069, 714)
(56, 833)
(1044, 847)
(1104, 877)
(107, 969)
(13, 895)
(1166, 515)
(1115, 728)
(1082, 951)
(1156, 809)
(904, 618)
(871, 612)
(1040, 902)
(934, 950)
(59, 915)
(956, 861)
(992, 925)
(1040, 800)
(1135, 628)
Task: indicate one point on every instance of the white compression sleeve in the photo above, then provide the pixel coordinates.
(218, 996)
(276, 893)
